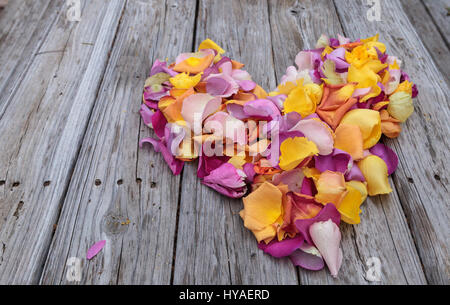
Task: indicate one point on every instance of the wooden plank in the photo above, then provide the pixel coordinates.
(381, 216)
(41, 131)
(428, 31)
(213, 247)
(440, 11)
(3, 3)
(24, 25)
(421, 179)
(136, 185)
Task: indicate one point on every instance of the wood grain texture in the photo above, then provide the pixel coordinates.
(41, 131)
(421, 179)
(429, 33)
(71, 173)
(213, 247)
(381, 216)
(134, 208)
(24, 25)
(439, 10)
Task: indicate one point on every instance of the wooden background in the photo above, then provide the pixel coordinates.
(71, 172)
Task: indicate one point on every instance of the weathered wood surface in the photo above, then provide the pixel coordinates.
(136, 185)
(213, 247)
(440, 12)
(24, 25)
(383, 232)
(421, 179)
(69, 155)
(430, 33)
(41, 130)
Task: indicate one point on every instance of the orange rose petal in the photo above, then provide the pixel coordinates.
(236, 65)
(390, 127)
(259, 92)
(331, 188)
(333, 106)
(201, 65)
(349, 138)
(262, 208)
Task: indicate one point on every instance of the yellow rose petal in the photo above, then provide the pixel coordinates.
(262, 208)
(184, 81)
(238, 161)
(209, 44)
(303, 99)
(350, 205)
(369, 121)
(360, 186)
(375, 171)
(294, 151)
(400, 105)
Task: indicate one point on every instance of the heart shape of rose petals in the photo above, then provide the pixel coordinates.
(305, 155)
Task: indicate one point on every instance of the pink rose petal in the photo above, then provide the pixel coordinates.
(95, 249)
(327, 237)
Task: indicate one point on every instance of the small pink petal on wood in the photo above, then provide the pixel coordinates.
(95, 249)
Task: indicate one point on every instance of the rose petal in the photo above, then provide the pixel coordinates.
(308, 187)
(249, 172)
(328, 212)
(282, 248)
(317, 132)
(388, 156)
(227, 180)
(349, 138)
(159, 123)
(146, 115)
(262, 108)
(199, 106)
(355, 174)
(400, 106)
(262, 208)
(375, 171)
(327, 237)
(95, 249)
(338, 161)
(294, 151)
(369, 121)
(293, 179)
(247, 85)
(307, 257)
(331, 188)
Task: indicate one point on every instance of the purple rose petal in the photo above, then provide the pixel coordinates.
(308, 187)
(95, 249)
(227, 180)
(388, 156)
(355, 174)
(307, 257)
(338, 161)
(282, 248)
(328, 212)
(217, 86)
(249, 171)
(146, 115)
